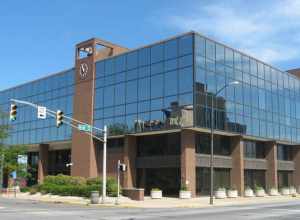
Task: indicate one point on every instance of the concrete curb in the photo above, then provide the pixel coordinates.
(201, 202)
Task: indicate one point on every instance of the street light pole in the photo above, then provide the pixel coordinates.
(212, 124)
(211, 200)
(104, 165)
(1, 172)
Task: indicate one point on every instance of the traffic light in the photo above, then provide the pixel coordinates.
(13, 112)
(59, 118)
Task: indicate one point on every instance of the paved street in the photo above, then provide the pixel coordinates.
(11, 209)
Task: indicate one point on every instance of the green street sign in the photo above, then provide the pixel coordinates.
(82, 127)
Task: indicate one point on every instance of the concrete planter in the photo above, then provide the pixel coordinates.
(156, 194)
(248, 193)
(185, 194)
(285, 191)
(293, 190)
(220, 194)
(232, 193)
(94, 197)
(273, 192)
(260, 193)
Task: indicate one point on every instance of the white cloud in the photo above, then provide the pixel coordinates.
(269, 31)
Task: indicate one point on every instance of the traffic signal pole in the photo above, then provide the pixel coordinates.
(1, 172)
(104, 139)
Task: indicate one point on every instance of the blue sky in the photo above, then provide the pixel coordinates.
(38, 37)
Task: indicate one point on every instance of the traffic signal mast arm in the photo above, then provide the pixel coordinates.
(104, 139)
(54, 114)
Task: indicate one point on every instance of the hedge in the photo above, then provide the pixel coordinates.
(76, 186)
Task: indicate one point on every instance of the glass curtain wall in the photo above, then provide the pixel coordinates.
(54, 92)
(266, 103)
(146, 89)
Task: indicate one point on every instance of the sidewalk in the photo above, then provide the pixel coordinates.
(166, 202)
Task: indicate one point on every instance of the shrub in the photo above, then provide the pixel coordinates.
(155, 189)
(76, 186)
(61, 179)
(183, 188)
(94, 181)
(33, 189)
(24, 189)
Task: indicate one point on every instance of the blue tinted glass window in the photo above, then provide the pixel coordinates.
(120, 110)
(228, 57)
(157, 52)
(171, 49)
(169, 100)
(170, 65)
(144, 56)
(220, 53)
(200, 46)
(120, 94)
(144, 106)
(186, 45)
(185, 61)
(186, 99)
(132, 74)
(144, 71)
(144, 88)
(185, 80)
(100, 69)
(131, 108)
(171, 83)
(157, 86)
(156, 104)
(120, 63)
(108, 96)
(238, 60)
(132, 60)
(120, 77)
(157, 68)
(131, 91)
(210, 50)
(109, 66)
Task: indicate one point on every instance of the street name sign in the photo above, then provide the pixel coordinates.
(86, 128)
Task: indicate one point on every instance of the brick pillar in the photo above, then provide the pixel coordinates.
(296, 173)
(188, 160)
(237, 170)
(129, 179)
(271, 157)
(43, 162)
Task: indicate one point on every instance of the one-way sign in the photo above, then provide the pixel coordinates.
(42, 112)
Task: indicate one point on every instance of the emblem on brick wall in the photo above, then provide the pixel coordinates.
(83, 70)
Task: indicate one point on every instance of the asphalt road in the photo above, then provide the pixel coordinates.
(22, 210)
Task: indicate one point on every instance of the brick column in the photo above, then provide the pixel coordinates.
(296, 173)
(237, 170)
(188, 160)
(129, 179)
(271, 157)
(43, 162)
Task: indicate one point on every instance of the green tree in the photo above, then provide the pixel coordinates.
(10, 153)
